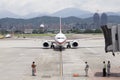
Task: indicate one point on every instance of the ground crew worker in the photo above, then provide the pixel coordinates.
(104, 69)
(33, 69)
(86, 69)
(108, 68)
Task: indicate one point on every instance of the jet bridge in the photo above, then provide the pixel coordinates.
(112, 38)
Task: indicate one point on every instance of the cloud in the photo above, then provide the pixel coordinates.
(23, 7)
(102, 5)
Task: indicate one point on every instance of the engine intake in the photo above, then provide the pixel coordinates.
(74, 44)
(46, 44)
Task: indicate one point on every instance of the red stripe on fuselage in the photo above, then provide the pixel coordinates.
(61, 42)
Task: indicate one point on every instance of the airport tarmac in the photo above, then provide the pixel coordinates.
(17, 55)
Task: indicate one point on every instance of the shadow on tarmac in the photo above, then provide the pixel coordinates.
(30, 47)
(99, 74)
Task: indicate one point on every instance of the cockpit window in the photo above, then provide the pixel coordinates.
(60, 38)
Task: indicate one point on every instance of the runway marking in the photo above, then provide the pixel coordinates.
(61, 66)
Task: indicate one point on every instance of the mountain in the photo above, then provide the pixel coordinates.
(114, 19)
(72, 12)
(112, 13)
(35, 14)
(67, 12)
(9, 14)
(50, 22)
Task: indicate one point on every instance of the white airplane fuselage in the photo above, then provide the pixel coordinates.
(60, 39)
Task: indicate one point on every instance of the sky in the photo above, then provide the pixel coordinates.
(24, 7)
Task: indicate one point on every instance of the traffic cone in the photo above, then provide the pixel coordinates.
(75, 75)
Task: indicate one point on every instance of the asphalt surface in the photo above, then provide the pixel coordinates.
(17, 55)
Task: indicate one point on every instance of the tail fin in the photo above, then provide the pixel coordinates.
(60, 25)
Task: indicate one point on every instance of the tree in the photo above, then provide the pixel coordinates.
(35, 32)
(88, 31)
(98, 31)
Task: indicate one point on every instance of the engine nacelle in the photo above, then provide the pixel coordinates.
(75, 44)
(46, 44)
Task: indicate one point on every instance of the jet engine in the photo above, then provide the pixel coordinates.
(75, 44)
(46, 44)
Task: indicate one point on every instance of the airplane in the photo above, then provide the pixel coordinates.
(59, 42)
(8, 36)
